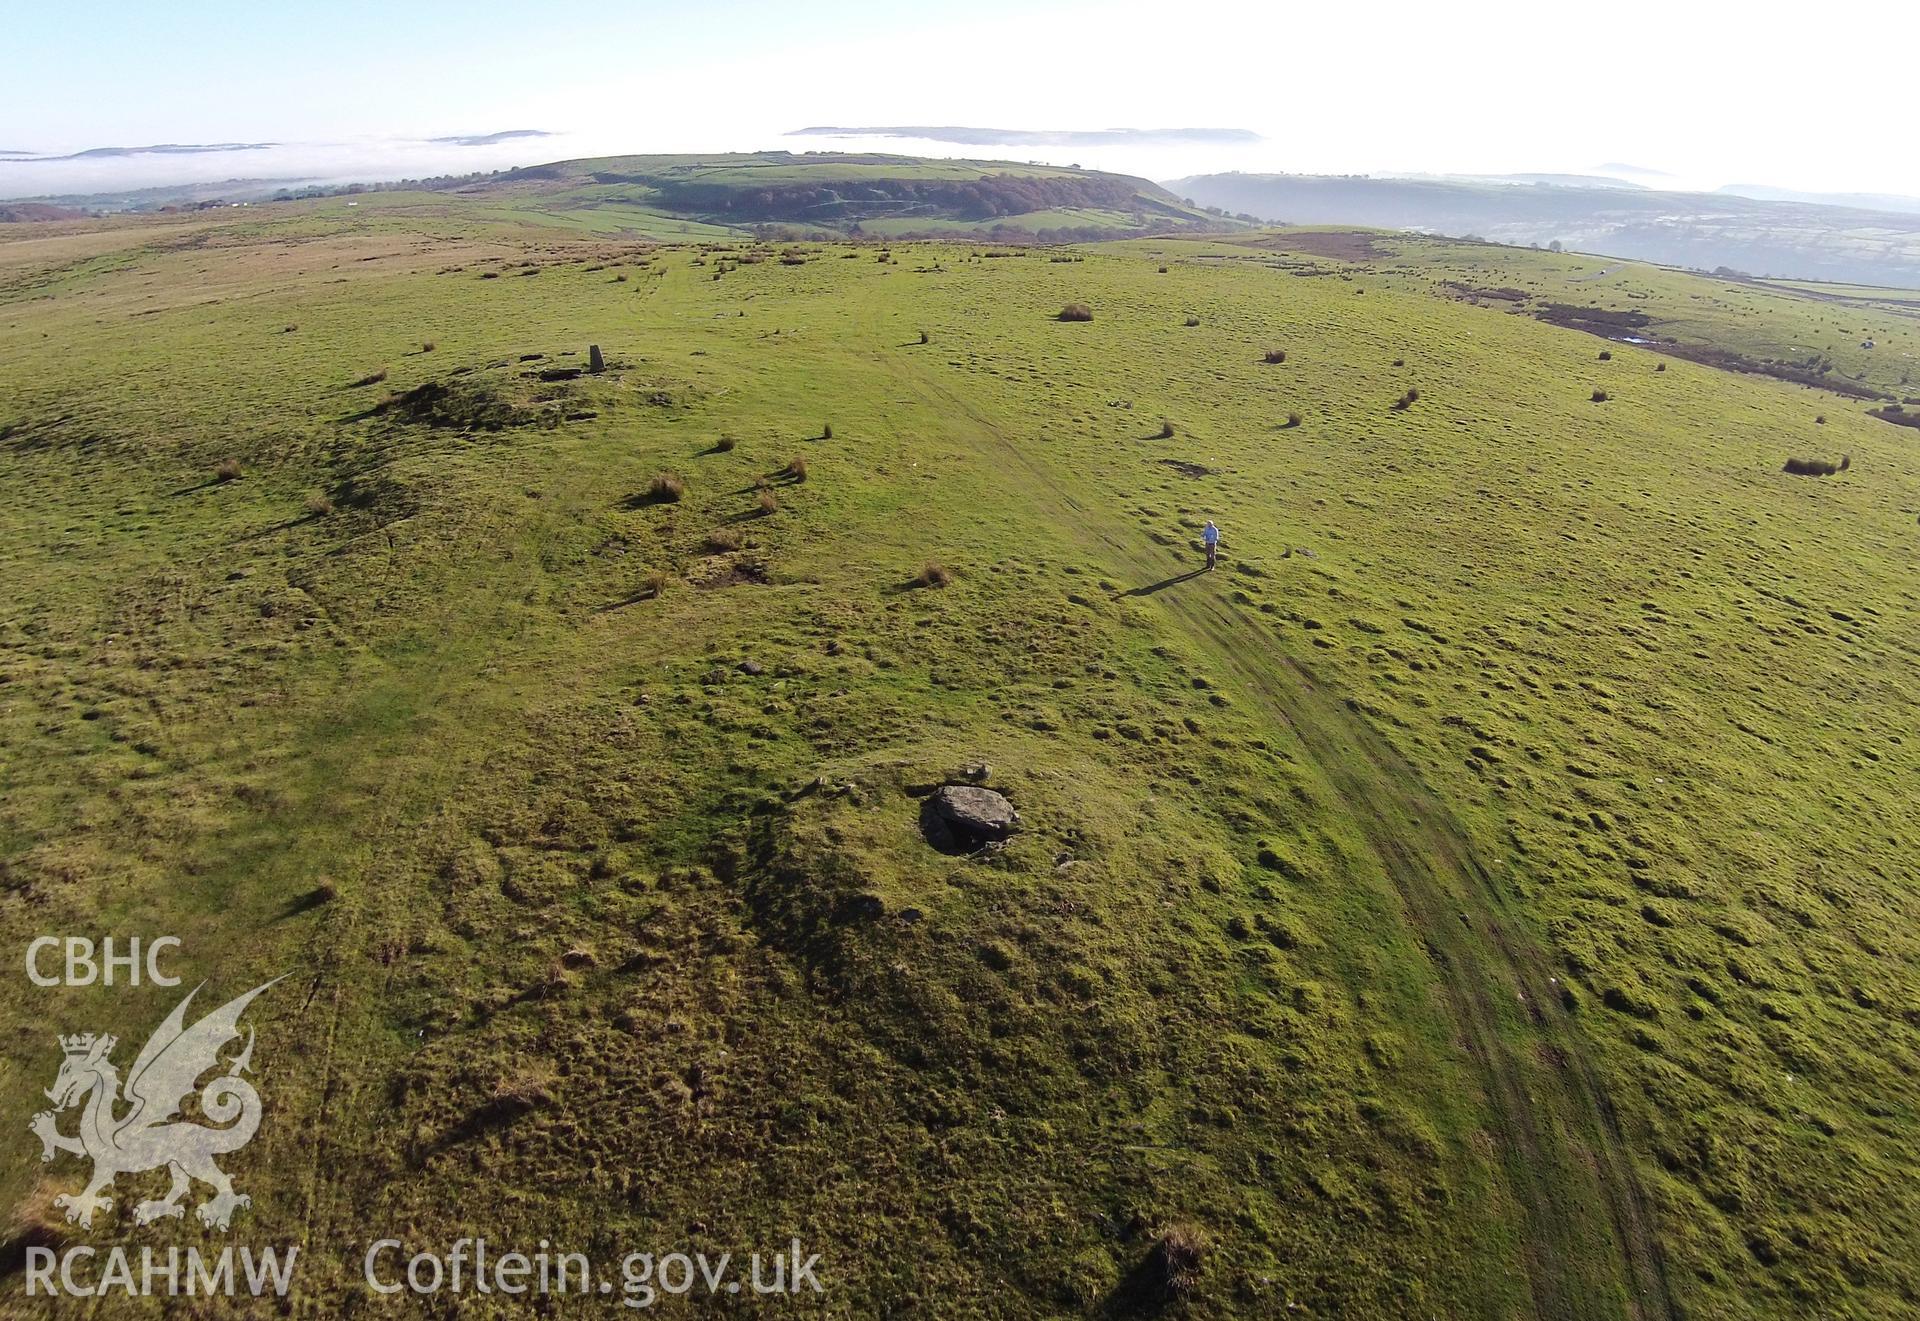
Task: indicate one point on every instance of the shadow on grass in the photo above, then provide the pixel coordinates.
(644, 594)
(317, 897)
(648, 499)
(917, 583)
(496, 1113)
(1161, 586)
(284, 525)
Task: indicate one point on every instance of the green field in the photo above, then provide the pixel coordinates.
(1488, 895)
(1825, 329)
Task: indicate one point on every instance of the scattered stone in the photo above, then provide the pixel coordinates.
(752, 667)
(978, 772)
(971, 815)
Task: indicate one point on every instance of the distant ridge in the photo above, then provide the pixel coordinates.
(157, 149)
(1021, 137)
(1760, 192)
(1557, 180)
(1706, 231)
(489, 139)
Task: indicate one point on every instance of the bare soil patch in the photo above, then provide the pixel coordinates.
(1340, 245)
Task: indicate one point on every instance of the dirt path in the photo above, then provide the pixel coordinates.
(1589, 1245)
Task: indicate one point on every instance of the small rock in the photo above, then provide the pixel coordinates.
(752, 667)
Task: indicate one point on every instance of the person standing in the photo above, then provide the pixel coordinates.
(1210, 535)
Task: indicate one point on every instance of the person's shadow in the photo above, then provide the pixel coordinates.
(1163, 584)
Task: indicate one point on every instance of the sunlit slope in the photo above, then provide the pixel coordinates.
(1513, 836)
(844, 192)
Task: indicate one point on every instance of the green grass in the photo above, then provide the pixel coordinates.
(1483, 896)
(1824, 327)
(841, 193)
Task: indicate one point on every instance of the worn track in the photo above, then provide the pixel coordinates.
(1589, 1250)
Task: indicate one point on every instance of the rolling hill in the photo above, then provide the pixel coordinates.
(1705, 231)
(1487, 895)
(848, 193)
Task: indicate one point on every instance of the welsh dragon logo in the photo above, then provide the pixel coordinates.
(148, 1135)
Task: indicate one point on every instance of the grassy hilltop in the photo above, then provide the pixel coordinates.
(831, 193)
(1488, 895)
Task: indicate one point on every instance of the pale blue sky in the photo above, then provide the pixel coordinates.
(1713, 97)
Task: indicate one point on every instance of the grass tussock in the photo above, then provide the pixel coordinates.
(1406, 401)
(1800, 467)
(767, 504)
(1165, 432)
(725, 445)
(1075, 312)
(934, 574)
(227, 470)
(655, 584)
(1601, 396)
(666, 488)
(1274, 357)
(319, 505)
(1173, 1266)
(723, 541)
(796, 469)
(371, 378)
